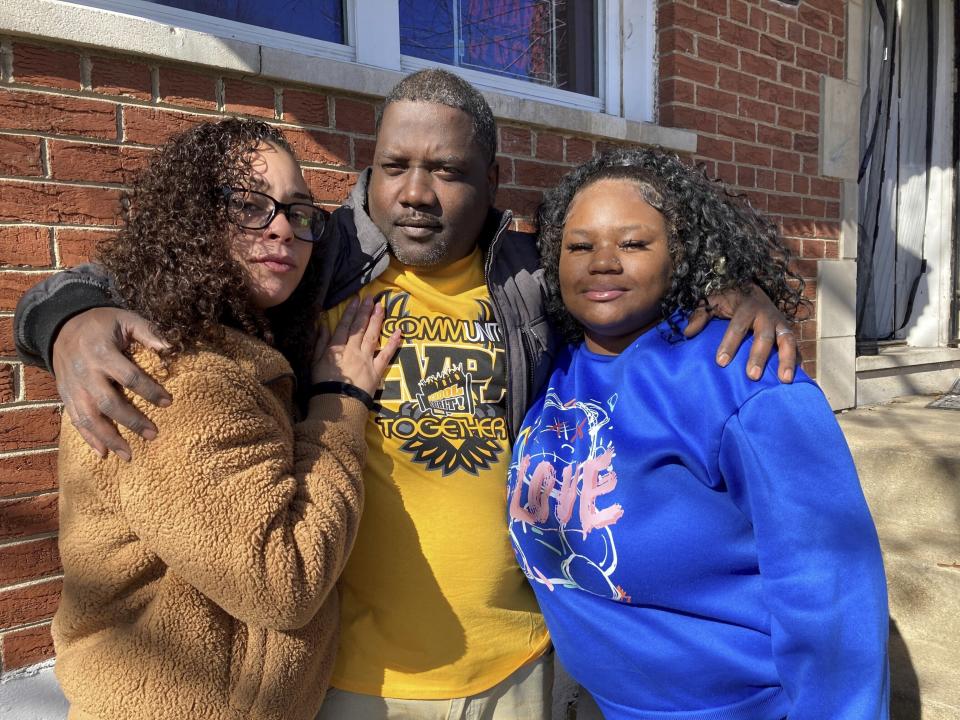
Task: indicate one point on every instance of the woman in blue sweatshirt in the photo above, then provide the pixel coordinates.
(698, 542)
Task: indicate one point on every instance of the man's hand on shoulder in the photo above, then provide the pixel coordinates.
(752, 311)
(90, 368)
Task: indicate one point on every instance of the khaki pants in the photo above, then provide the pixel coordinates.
(526, 695)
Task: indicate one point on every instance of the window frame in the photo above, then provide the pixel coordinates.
(373, 38)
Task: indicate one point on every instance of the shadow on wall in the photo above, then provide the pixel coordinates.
(905, 702)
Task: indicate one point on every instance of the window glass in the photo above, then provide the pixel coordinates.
(319, 19)
(552, 42)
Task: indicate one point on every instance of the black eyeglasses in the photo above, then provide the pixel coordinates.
(256, 210)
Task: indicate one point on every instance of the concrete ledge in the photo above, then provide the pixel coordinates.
(908, 357)
(108, 30)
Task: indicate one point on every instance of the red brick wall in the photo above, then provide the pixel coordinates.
(74, 125)
(745, 75)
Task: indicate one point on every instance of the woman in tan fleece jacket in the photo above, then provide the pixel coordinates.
(199, 577)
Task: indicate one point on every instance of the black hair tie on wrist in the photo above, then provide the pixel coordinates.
(333, 387)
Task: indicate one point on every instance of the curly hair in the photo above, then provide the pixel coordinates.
(442, 87)
(716, 240)
(171, 260)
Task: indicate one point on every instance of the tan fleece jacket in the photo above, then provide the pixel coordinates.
(199, 579)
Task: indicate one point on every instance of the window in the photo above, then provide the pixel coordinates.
(594, 55)
(317, 19)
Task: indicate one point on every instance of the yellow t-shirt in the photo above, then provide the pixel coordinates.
(433, 604)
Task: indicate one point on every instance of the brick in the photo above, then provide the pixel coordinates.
(25, 246)
(739, 36)
(76, 246)
(831, 250)
(814, 18)
(813, 248)
(758, 19)
(727, 172)
(8, 383)
(675, 39)
(757, 200)
(806, 143)
(13, 284)
(837, 25)
(717, 52)
(22, 517)
(30, 604)
(153, 126)
(678, 90)
(20, 155)
(788, 118)
(183, 87)
(39, 385)
(739, 11)
(773, 136)
(537, 174)
(95, 163)
(808, 330)
(523, 202)
(21, 474)
(765, 179)
(675, 14)
(814, 61)
(783, 182)
(7, 348)
(736, 128)
(801, 184)
(319, 146)
(689, 118)
(355, 116)
(715, 148)
(811, 39)
(814, 207)
(57, 114)
(29, 561)
(305, 108)
(23, 648)
(738, 82)
(746, 176)
(837, 69)
(777, 26)
(363, 151)
(53, 203)
(549, 146)
(785, 160)
(751, 154)
(717, 100)
(757, 110)
(689, 69)
(758, 65)
(809, 165)
(112, 76)
(791, 76)
(516, 141)
(29, 428)
(329, 185)
(35, 65)
(824, 187)
(795, 32)
(779, 49)
(777, 93)
(578, 150)
(785, 204)
(246, 98)
(505, 166)
(717, 7)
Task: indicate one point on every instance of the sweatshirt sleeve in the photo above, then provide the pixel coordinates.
(45, 307)
(257, 520)
(788, 467)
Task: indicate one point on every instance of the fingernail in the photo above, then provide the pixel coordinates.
(164, 402)
(755, 372)
(722, 359)
(149, 434)
(123, 455)
(787, 375)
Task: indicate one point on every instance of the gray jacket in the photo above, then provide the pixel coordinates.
(355, 252)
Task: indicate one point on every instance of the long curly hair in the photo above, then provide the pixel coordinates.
(171, 260)
(716, 240)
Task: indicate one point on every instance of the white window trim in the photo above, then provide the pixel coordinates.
(372, 35)
(106, 30)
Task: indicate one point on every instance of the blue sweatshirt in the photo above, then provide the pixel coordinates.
(699, 542)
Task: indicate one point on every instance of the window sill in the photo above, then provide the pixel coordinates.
(65, 22)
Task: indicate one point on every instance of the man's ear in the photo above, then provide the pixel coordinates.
(493, 180)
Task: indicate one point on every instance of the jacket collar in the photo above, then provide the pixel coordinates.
(254, 356)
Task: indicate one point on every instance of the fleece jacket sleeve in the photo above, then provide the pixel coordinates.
(257, 518)
(789, 469)
(45, 307)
